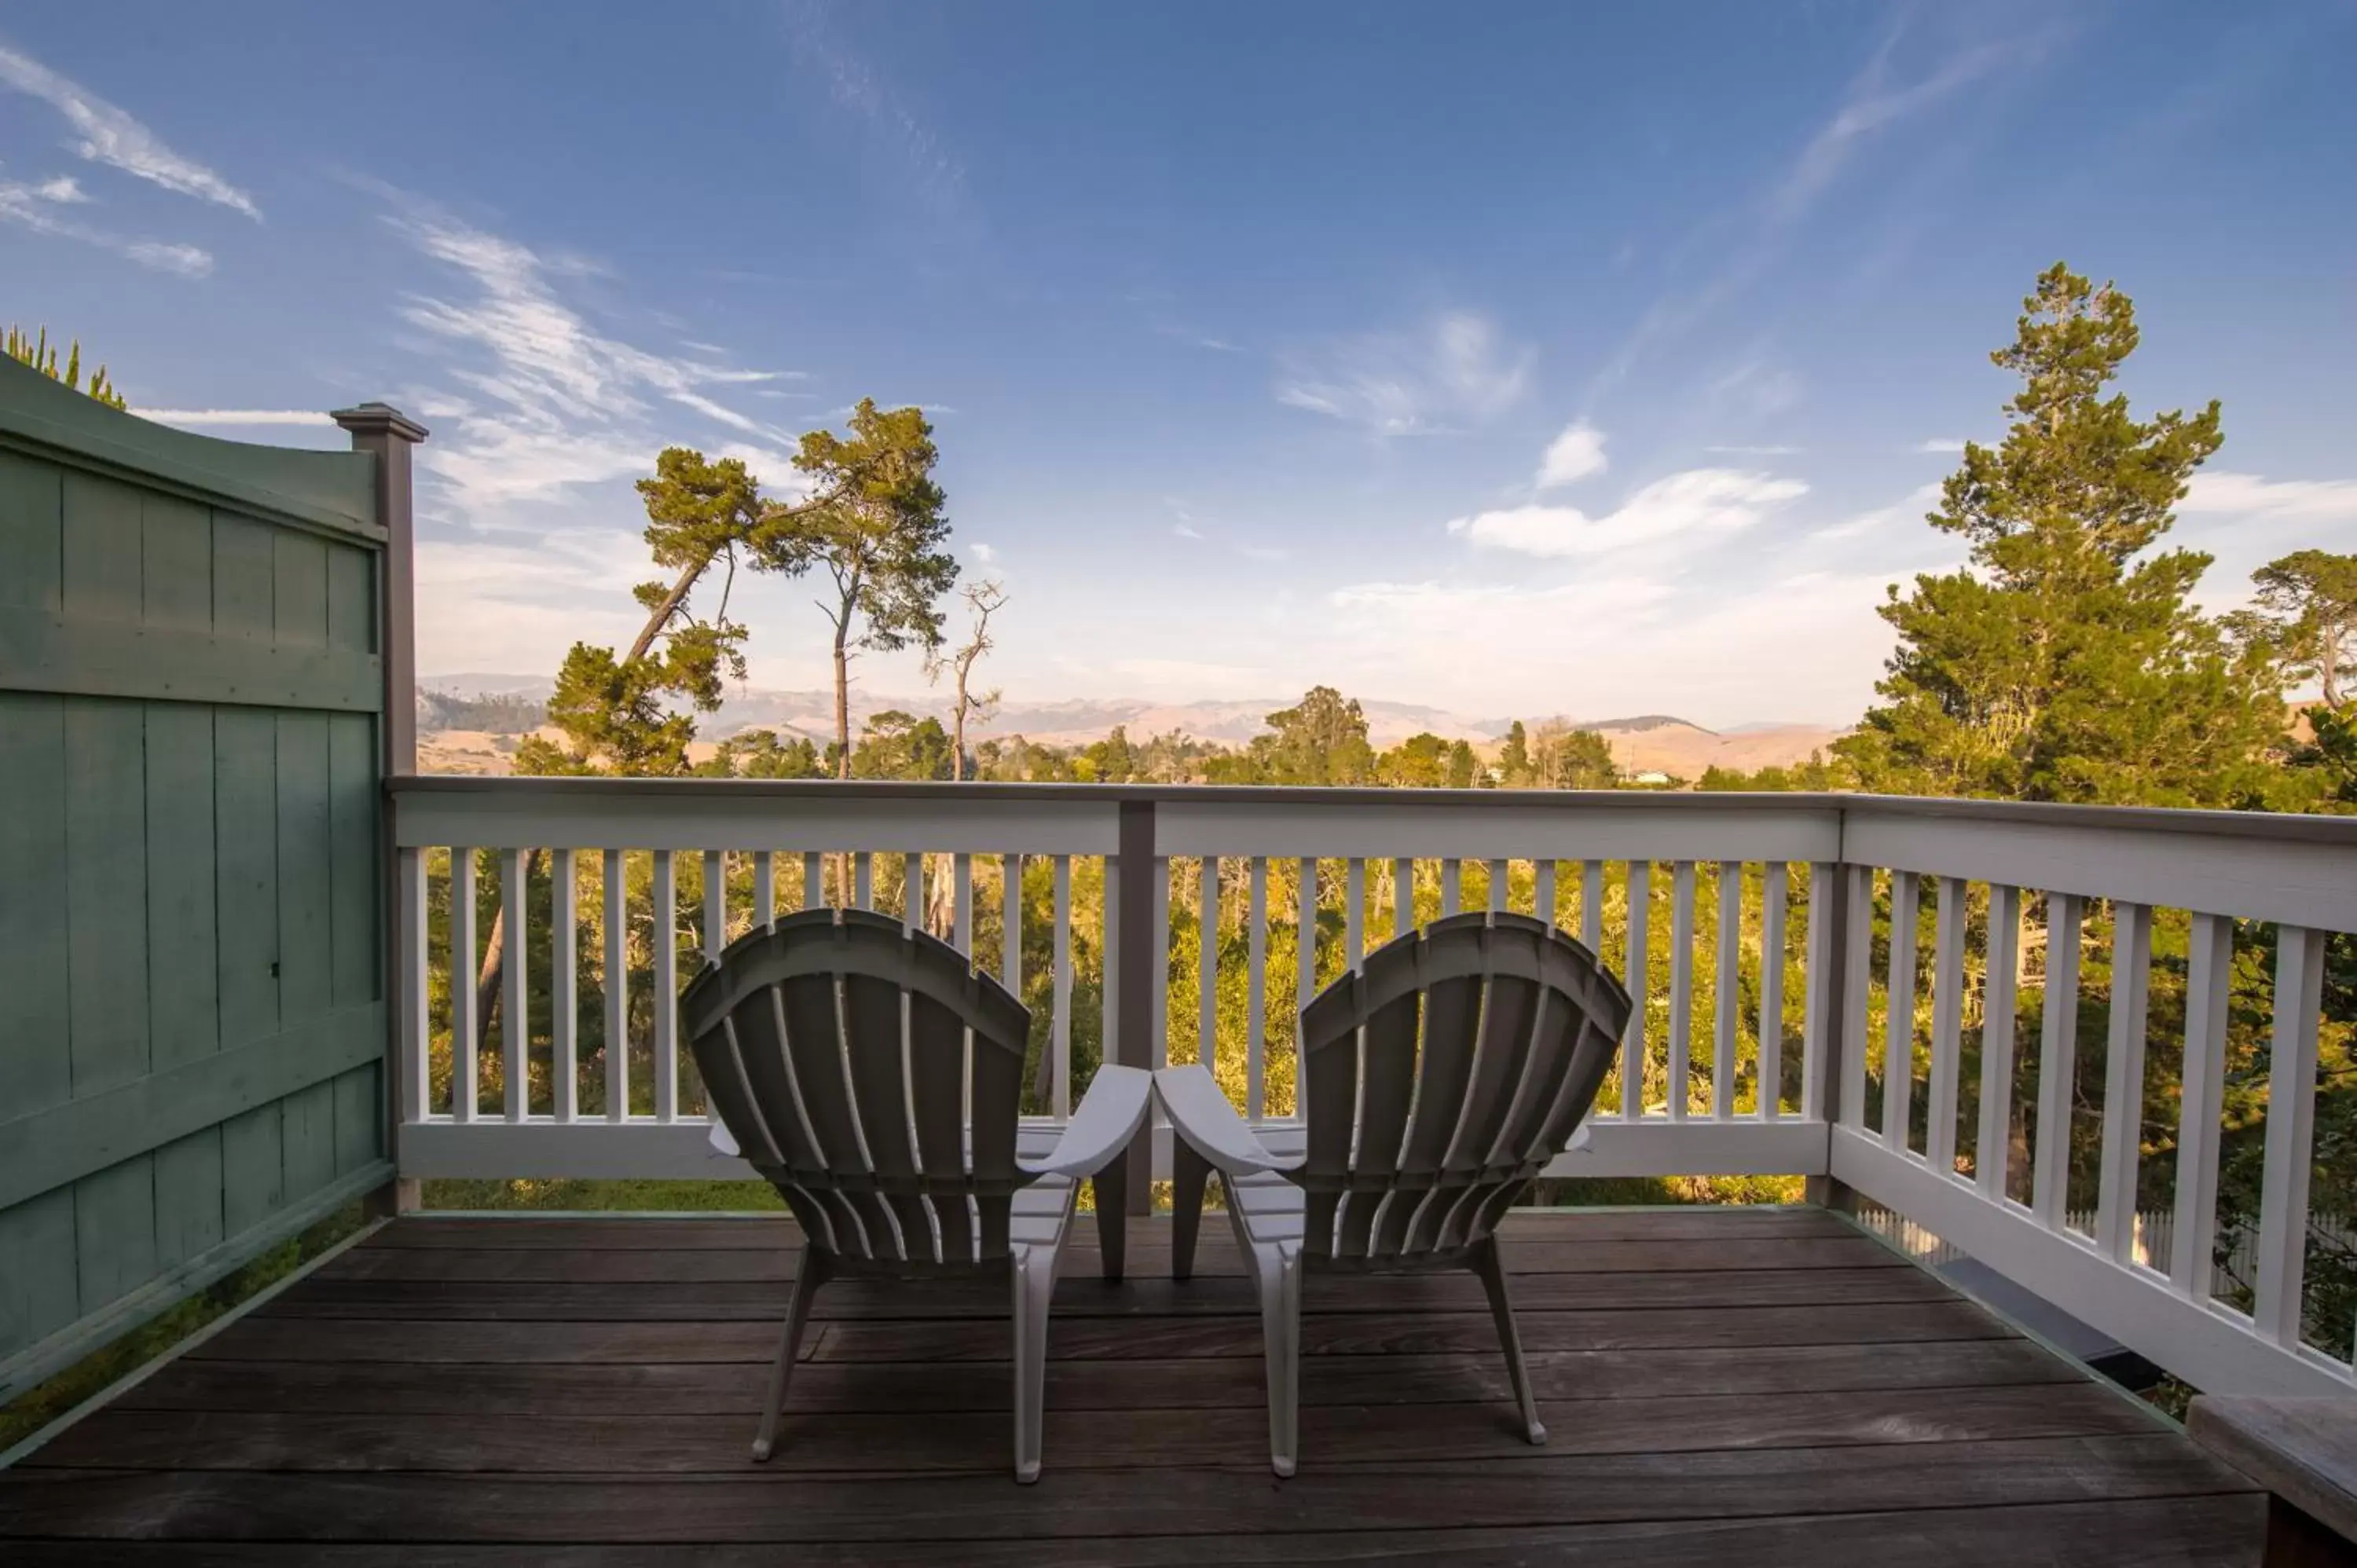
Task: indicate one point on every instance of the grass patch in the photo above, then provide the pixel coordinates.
(615, 1196)
(36, 1407)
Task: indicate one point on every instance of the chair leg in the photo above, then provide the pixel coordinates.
(1111, 1186)
(1190, 1174)
(812, 1274)
(1278, 1268)
(1034, 1272)
(1491, 1265)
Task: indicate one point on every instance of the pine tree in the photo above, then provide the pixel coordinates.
(2066, 663)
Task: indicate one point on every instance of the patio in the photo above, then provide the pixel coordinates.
(1772, 1384)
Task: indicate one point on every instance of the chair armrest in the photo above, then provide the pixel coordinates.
(723, 1142)
(1109, 1116)
(1201, 1115)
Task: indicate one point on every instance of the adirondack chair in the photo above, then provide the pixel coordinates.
(1436, 1079)
(838, 1048)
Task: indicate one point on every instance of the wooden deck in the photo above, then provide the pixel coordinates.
(1768, 1386)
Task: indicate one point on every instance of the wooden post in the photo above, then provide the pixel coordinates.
(390, 437)
(1127, 1187)
(1831, 882)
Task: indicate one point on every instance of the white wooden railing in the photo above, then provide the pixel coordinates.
(1778, 1074)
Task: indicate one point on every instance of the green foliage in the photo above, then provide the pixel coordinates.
(894, 744)
(1573, 760)
(761, 754)
(2067, 663)
(42, 355)
(1419, 762)
(2306, 618)
(1813, 775)
(1322, 739)
(1514, 756)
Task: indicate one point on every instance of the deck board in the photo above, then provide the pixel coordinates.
(1764, 1381)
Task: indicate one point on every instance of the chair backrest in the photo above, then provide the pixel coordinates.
(840, 1049)
(1441, 1075)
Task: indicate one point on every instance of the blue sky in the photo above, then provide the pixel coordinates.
(1556, 358)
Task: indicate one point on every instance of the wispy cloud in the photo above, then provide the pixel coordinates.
(931, 169)
(201, 418)
(1572, 455)
(1945, 444)
(112, 137)
(2251, 495)
(1756, 236)
(1699, 500)
(555, 402)
(1909, 509)
(1767, 451)
(41, 208)
(1186, 530)
(1194, 339)
(1411, 383)
(983, 553)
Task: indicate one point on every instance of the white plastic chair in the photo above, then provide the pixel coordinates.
(1436, 1079)
(838, 1048)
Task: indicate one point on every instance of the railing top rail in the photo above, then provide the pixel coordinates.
(2273, 826)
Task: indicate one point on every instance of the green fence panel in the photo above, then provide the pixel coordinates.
(192, 989)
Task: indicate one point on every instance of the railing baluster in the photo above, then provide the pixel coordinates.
(1403, 896)
(1061, 1026)
(666, 984)
(463, 962)
(1496, 891)
(2291, 1132)
(1452, 886)
(1857, 983)
(1728, 991)
(1304, 955)
(564, 987)
(715, 905)
(1641, 987)
(863, 880)
(2058, 1035)
(765, 888)
(1947, 1027)
(1158, 1038)
(1354, 909)
(814, 880)
(961, 903)
(515, 1026)
(1542, 890)
(1682, 940)
(1993, 1148)
(1010, 921)
(418, 1076)
(1256, 992)
(912, 892)
(1207, 964)
(614, 912)
(1899, 1018)
(1818, 1001)
(1773, 893)
(2115, 1192)
(2193, 1236)
(1592, 905)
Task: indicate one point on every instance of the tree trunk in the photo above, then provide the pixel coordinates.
(842, 703)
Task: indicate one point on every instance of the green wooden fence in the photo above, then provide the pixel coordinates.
(192, 989)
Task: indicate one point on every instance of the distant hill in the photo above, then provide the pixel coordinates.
(1646, 742)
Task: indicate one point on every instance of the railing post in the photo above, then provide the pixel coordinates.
(390, 437)
(1830, 881)
(1127, 1188)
